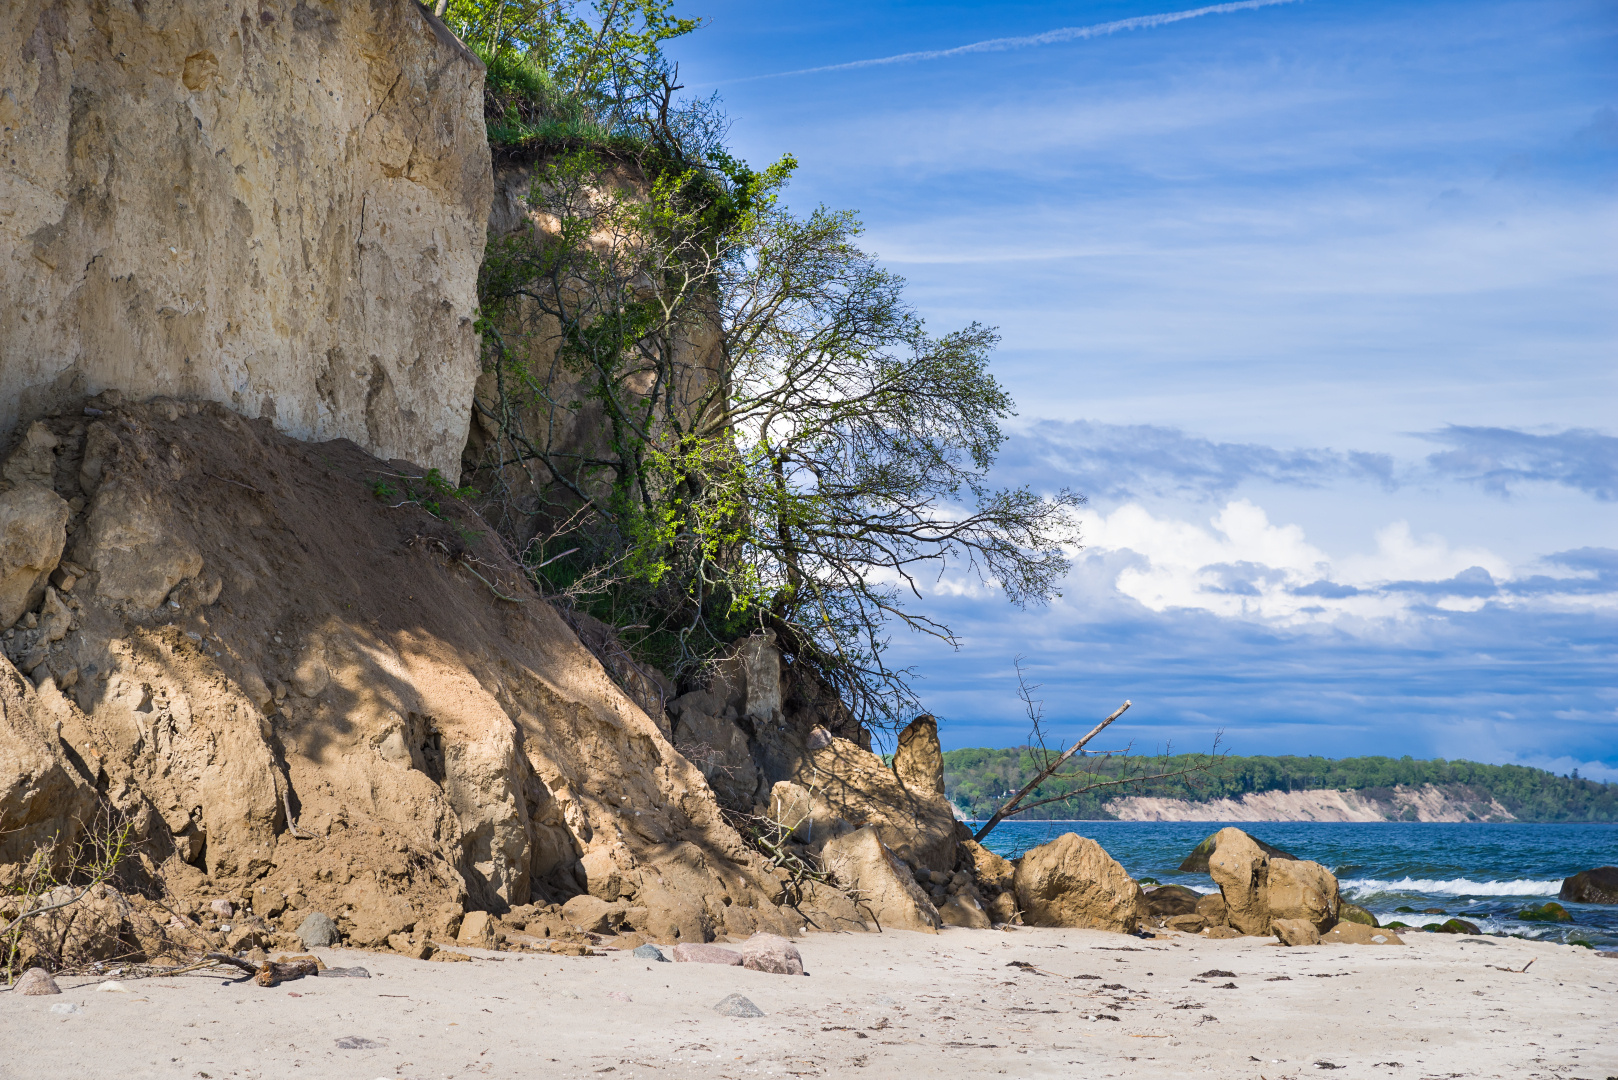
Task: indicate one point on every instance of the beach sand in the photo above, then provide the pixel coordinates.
(959, 1004)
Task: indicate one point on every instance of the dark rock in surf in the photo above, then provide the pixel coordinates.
(1598, 886)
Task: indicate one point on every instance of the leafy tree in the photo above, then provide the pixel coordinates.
(783, 444)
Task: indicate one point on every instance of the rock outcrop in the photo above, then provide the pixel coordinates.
(281, 209)
(1072, 881)
(1197, 861)
(1259, 888)
(1598, 886)
(888, 891)
(329, 711)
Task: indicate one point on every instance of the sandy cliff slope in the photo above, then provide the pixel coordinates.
(257, 632)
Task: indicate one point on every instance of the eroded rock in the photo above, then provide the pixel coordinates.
(1072, 881)
(33, 531)
(887, 889)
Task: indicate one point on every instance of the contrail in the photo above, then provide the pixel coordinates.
(1049, 37)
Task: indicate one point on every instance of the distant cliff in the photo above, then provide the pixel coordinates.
(1426, 803)
(1262, 788)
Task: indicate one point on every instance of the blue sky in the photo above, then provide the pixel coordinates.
(1316, 301)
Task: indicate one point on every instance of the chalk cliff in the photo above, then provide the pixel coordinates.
(279, 206)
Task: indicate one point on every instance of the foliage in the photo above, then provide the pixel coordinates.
(563, 73)
(782, 443)
(978, 780)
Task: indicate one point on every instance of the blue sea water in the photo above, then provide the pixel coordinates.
(1482, 873)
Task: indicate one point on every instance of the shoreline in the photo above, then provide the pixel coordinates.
(963, 1003)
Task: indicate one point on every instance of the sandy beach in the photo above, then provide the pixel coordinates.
(1023, 1003)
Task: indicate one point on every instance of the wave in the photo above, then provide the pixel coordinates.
(1453, 887)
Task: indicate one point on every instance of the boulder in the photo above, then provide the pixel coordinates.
(719, 750)
(1550, 911)
(1003, 909)
(1354, 933)
(590, 913)
(771, 953)
(916, 822)
(33, 460)
(317, 930)
(1598, 886)
(1072, 881)
(963, 909)
(1258, 888)
(1186, 924)
(1221, 932)
(692, 952)
(1197, 861)
(1168, 900)
(804, 814)
(36, 982)
(1353, 913)
(477, 930)
(919, 759)
(888, 891)
(33, 531)
(1295, 931)
(1212, 908)
(736, 1005)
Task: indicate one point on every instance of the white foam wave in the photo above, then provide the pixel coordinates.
(1453, 887)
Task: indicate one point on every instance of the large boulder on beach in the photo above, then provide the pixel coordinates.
(887, 889)
(1259, 888)
(1598, 886)
(1072, 881)
(1197, 861)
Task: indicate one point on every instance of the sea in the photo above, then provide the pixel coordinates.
(1483, 873)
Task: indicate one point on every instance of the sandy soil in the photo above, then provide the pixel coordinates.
(892, 1005)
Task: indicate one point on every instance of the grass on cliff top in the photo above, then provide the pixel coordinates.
(525, 111)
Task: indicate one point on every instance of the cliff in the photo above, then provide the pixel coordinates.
(1426, 803)
(281, 209)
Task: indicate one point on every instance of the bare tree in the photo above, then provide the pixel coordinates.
(1075, 769)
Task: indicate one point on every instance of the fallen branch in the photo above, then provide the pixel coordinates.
(1010, 806)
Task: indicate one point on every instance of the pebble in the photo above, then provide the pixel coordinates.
(66, 1008)
(355, 1042)
(344, 973)
(36, 982)
(649, 952)
(112, 986)
(736, 1005)
(222, 908)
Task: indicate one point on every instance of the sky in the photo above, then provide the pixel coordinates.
(1315, 301)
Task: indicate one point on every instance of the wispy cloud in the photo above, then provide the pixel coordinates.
(1132, 461)
(1497, 458)
(1049, 37)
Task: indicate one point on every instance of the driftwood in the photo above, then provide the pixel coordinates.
(270, 972)
(1010, 806)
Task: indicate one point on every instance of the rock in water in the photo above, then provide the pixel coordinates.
(1550, 911)
(649, 952)
(317, 930)
(1197, 861)
(1353, 913)
(690, 952)
(1598, 886)
(36, 982)
(736, 1005)
(1458, 926)
(1072, 881)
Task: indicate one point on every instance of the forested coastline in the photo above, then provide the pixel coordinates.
(977, 780)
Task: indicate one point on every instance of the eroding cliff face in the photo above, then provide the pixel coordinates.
(279, 206)
(295, 686)
(1426, 803)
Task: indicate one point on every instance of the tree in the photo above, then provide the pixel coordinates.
(799, 473)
